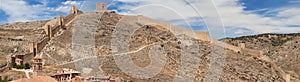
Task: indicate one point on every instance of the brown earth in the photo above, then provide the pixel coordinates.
(237, 68)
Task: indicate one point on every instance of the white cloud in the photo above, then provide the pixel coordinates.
(21, 11)
(63, 9)
(71, 3)
(179, 12)
(294, 1)
(239, 32)
(66, 6)
(231, 12)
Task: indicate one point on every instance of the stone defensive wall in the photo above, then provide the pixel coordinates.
(254, 53)
(197, 35)
(176, 30)
(55, 30)
(42, 43)
(51, 28)
(70, 17)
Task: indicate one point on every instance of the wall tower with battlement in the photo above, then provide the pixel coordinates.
(33, 48)
(74, 10)
(101, 7)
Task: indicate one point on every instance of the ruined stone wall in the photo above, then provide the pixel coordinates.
(175, 30)
(202, 36)
(69, 18)
(255, 53)
(55, 30)
(42, 43)
(234, 48)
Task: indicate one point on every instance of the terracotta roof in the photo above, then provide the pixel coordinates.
(76, 79)
(36, 79)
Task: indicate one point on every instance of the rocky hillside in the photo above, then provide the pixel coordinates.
(281, 48)
(238, 67)
(100, 38)
(15, 39)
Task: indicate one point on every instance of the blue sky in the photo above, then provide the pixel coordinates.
(234, 17)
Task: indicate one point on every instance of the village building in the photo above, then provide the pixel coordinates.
(76, 79)
(37, 63)
(17, 59)
(65, 75)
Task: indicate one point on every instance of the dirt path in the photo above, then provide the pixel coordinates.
(130, 52)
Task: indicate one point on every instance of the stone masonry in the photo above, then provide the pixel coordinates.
(100, 7)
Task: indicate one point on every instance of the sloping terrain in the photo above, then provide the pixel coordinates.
(239, 67)
(281, 48)
(112, 36)
(15, 38)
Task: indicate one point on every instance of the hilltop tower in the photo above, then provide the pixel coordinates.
(100, 7)
(74, 10)
(60, 20)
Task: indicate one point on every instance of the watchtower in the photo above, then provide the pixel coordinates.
(33, 48)
(100, 6)
(74, 10)
(60, 20)
(49, 32)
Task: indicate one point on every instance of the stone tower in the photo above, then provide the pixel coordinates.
(74, 10)
(33, 48)
(37, 63)
(100, 7)
(60, 20)
(49, 31)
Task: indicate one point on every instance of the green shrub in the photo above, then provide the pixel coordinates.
(23, 66)
(27, 65)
